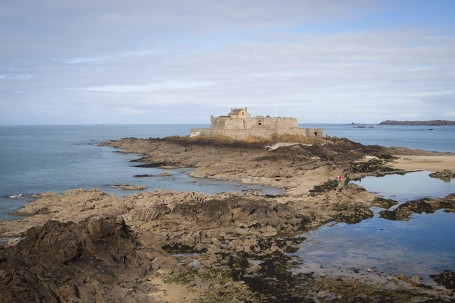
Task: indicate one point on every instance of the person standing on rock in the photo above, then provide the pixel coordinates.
(340, 182)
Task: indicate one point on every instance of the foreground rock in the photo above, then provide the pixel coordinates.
(94, 260)
(218, 248)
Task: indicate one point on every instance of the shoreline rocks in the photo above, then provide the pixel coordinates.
(129, 187)
(425, 205)
(445, 175)
(227, 247)
(447, 279)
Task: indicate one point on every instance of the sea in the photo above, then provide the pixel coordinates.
(37, 159)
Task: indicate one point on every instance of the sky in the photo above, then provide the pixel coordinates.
(167, 62)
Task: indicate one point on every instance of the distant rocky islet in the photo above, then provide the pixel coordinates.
(418, 123)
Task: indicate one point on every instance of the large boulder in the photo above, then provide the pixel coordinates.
(94, 260)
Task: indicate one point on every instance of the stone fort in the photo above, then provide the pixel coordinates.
(239, 124)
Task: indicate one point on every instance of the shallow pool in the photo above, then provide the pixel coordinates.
(378, 248)
(406, 187)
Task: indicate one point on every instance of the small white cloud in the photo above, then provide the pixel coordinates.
(17, 77)
(169, 85)
(85, 61)
(111, 57)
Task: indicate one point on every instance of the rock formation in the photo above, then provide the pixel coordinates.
(93, 260)
(445, 175)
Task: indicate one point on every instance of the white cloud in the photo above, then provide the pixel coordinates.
(169, 85)
(16, 77)
(85, 60)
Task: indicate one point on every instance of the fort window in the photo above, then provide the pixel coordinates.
(260, 122)
(315, 134)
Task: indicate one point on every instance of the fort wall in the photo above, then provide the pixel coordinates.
(235, 126)
(244, 134)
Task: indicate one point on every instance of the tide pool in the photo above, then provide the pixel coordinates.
(377, 248)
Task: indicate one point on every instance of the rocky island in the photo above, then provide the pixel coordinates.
(169, 246)
(417, 123)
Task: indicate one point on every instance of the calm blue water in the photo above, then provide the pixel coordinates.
(433, 138)
(406, 187)
(422, 246)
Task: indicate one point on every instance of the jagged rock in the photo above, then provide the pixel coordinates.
(447, 279)
(425, 205)
(94, 260)
(445, 175)
(129, 187)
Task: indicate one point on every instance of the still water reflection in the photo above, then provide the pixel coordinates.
(378, 248)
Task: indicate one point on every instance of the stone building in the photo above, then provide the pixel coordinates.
(239, 124)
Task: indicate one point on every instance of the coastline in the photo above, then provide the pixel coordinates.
(186, 236)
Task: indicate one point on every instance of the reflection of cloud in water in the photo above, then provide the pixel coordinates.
(407, 187)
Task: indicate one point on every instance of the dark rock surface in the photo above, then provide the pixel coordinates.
(447, 279)
(95, 260)
(426, 205)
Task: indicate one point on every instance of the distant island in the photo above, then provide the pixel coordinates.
(426, 123)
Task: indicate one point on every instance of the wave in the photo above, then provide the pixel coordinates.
(18, 196)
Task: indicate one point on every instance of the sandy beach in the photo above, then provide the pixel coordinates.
(429, 163)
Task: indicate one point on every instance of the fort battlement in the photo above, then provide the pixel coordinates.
(239, 124)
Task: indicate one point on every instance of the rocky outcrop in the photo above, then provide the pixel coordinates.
(447, 279)
(295, 168)
(445, 175)
(426, 205)
(128, 187)
(95, 260)
(74, 205)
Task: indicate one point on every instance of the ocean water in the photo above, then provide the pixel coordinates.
(432, 138)
(35, 159)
